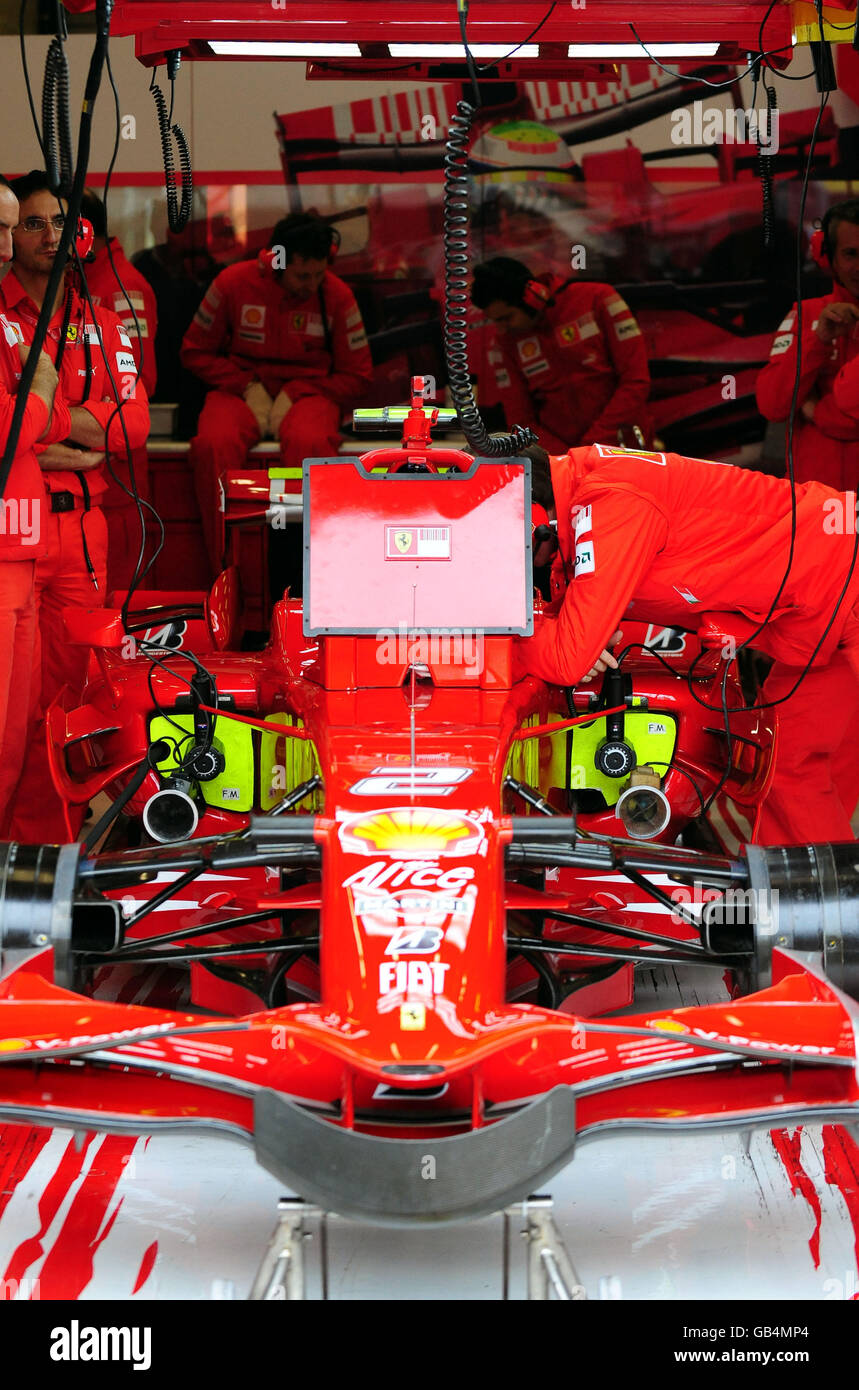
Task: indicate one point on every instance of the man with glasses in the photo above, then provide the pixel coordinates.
(97, 374)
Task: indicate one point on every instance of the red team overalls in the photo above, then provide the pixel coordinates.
(580, 373)
(826, 448)
(22, 542)
(136, 303)
(72, 572)
(674, 540)
(246, 328)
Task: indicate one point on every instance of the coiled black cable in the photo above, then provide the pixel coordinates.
(765, 167)
(56, 123)
(178, 213)
(456, 263)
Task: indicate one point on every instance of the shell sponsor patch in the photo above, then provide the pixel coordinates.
(11, 331)
(253, 316)
(531, 356)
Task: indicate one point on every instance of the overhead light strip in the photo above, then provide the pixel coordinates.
(456, 50)
(637, 50)
(235, 48)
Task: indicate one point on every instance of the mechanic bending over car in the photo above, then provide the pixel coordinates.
(281, 342)
(72, 570)
(46, 417)
(574, 363)
(826, 427)
(679, 541)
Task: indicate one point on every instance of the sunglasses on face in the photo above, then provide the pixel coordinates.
(39, 224)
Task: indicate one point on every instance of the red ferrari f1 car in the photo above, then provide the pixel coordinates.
(396, 896)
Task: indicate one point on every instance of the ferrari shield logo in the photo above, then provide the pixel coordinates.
(72, 333)
(403, 541)
(299, 323)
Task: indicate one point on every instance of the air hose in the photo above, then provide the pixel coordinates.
(56, 126)
(178, 213)
(456, 263)
(765, 167)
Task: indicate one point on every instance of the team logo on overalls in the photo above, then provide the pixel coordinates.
(72, 333)
(299, 323)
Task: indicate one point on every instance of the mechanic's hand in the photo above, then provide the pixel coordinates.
(45, 377)
(259, 402)
(836, 320)
(279, 411)
(604, 659)
(62, 456)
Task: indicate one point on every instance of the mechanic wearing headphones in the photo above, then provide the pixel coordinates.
(135, 301)
(826, 435)
(573, 361)
(281, 341)
(681, 542)
(72, 572)
(21, 542)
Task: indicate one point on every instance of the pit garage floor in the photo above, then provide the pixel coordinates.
(662, 1218)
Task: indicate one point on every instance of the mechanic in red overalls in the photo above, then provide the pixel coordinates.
(282, 343)
(21, 515)
(573, 361)
(679, 541)
(825, 435)
(135, 306)
(73, 570)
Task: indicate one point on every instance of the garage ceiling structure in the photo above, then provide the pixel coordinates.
(508, 38)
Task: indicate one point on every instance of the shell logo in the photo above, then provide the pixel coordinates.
(528, 347)
(669, 1025)
(411, 832)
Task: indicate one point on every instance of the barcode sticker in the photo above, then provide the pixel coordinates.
(417, 542)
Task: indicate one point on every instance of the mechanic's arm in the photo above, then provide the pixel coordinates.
(351, 366)
(627, 533)
(45, 411)
(205, 345)
(829, 418)
(845, 390)
(775, 383)
(90, 421)
(627, 350)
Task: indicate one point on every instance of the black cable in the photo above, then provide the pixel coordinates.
(178, 213)
(765, 166)
(56, 129)
(456, 263)
(534, 32)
